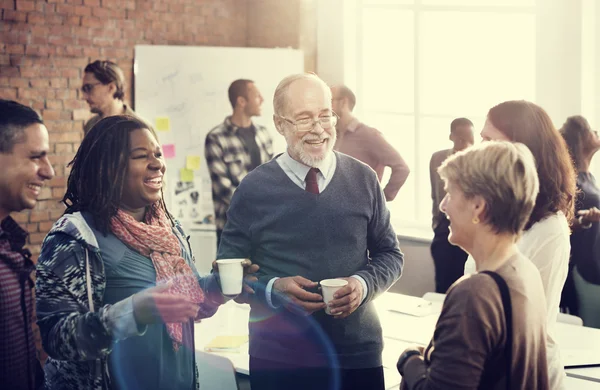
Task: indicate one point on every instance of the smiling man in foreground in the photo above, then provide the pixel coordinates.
(25, 168)
(307, 215)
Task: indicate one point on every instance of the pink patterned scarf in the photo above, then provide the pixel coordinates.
(155, 239)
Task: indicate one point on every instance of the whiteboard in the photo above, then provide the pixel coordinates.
(188, 85)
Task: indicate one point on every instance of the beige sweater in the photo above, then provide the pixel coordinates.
(467, 349)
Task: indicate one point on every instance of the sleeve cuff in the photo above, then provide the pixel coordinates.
(364, 285)
(122, 321)
(268, 293)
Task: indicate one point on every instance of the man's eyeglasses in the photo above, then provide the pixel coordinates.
(308, 124)
(87, 88)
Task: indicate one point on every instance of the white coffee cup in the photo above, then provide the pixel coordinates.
(231, 274)
(329, 287)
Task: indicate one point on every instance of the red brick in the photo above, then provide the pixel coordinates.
(67, 137)
(36, 238)
(91, 52)
(74, 20)
(22, 217)
(81, 114)
(92, 22)
(4, 81)
(58, 193)
(45, 193)
(74, 104)
(4, 59)
(7, 4)
(40, 50)
(28, 93)
(16, 16)
(60, 159)
(51, 115)
(54, 104)
(65, 9)
(8, 93)
(39, 83)
(58, 83)
(70, 72)
(32, 227)
(36, 105)
(25, 5)
(83, 10)
(17, 60)
(65, 94)
(92, 3)
(75, 2)
(16, 37)
(45, 226)
(15, 49)
(36, 216)
(55, 19)
(63, 148)
(55, 214)
(36, 18)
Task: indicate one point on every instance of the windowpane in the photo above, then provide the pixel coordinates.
(387, 2)
(387, 61)
(398, 131)
(481, 3)
(471, 61)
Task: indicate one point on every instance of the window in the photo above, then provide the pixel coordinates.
(423, 63)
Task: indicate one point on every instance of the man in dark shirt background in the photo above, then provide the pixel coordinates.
(235, 147)
(25, 166)
(449, 260)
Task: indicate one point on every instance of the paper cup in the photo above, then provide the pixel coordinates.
(231, 274)
(329, 287)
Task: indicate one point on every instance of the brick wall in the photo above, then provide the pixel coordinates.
(45, 44)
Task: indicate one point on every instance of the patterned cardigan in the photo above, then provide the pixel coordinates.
(77, 339)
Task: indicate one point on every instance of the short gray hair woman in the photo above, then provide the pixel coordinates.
(483, 338)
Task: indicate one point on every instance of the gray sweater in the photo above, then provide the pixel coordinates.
(287, 231)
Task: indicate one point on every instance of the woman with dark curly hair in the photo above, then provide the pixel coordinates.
(582, 291)
(117, 291)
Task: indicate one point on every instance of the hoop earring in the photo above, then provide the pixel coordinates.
(475, 220)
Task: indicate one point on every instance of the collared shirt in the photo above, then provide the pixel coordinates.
(17, 347)
(96, 118)
(297, 171)
(229, 162)
(368, 145)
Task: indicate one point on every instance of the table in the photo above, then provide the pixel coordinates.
(400, 331)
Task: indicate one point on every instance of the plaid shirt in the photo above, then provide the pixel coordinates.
(229, 162)
(17, 348)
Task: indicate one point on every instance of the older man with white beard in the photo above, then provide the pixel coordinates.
(307, 215)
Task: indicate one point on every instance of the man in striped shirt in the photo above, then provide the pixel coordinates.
(25, 166)
(235, 147)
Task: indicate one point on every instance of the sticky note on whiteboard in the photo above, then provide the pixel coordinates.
(162, 123)
(186, 175)
(168, 150)
(192, 162)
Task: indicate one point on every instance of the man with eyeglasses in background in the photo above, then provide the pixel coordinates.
(365, 143)
(307, 215)
(235, 147)
(103, 88)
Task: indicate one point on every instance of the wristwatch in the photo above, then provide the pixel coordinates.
(584, 226)
(404, 358)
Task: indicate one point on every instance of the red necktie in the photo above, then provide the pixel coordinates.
(311, 181)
